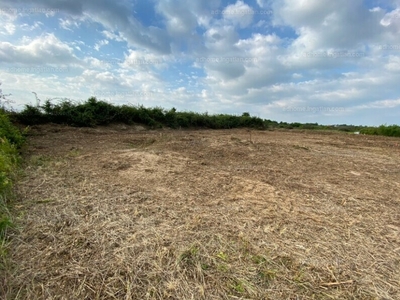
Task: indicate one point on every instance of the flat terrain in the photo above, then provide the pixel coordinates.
(124, 213)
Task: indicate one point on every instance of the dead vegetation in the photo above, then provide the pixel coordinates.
(113, 213)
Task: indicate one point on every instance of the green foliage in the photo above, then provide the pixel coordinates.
(5, 223)
(94, 112)
(392, 130)
(307, 125)
(9, 132)
(10, 140)
(31, 115)
(8, 162)
(171, 118)
(58, 113)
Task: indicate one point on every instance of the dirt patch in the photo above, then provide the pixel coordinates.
(122, 213)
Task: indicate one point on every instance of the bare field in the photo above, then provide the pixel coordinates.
(122, 213)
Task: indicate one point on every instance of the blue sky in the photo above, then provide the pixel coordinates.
(324, 61)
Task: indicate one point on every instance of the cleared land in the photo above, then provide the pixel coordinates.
(123, 213)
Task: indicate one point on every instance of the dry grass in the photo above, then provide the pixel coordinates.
(116, 213)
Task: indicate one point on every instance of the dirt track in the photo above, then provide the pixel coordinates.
(120, 213)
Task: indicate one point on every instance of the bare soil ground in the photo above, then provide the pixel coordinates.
(122, 213)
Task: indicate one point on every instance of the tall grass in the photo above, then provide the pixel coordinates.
(11, 139)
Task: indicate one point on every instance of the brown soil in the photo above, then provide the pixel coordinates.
(123, 213)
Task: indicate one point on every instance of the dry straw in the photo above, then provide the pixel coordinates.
(121, 214)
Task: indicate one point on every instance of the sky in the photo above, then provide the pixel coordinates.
(324, 61)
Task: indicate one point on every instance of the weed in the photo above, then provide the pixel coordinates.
(267, 275)
(258, 259)
(223, 256)
(5, 223)
(238, 287)
(242, 287)
(223, 268)
(189, 256)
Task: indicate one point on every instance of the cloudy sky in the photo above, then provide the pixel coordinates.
(324, 61)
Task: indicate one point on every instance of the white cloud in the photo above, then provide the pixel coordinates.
(7, 19)
(204, 56)
(324, 24)
(382, 104)
(144, 61)
(240, 14)
(114, 16)
(46, 49)
(393, 64)
(9, 28)
(391, 17)
(36, 25)
(101, 43)
(182, 17)
(180, 20)
(112, 36)
(69, 24)
(220, 39)
(263, 3)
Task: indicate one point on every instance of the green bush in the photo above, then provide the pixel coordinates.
(128, 114)
(171, 119)
(9, 132)
(307, 125)
(31, 115)
(392, 130)
(60, 114)
(94, 112)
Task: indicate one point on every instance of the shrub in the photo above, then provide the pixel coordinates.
(392, 130)
(31, 115)
(171, 119)
(94, 112)
(9, 132)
